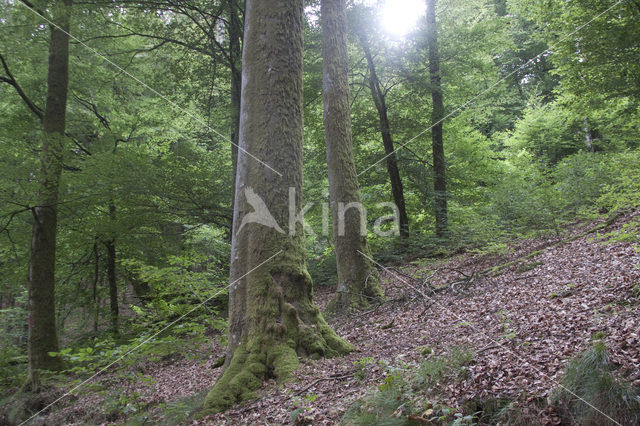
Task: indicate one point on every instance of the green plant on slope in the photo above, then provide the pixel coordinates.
(592, 395)
(402, 398)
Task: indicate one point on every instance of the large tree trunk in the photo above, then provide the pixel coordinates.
(43, 337)
(358, 281)
(235, 65)
(439, 167)
(379, 99)
(271, 317)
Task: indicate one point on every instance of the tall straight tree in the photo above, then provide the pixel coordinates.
(43, 337)
(358, 282)
(439, 167)
(235, 65)
(272, 319)
(380, 101)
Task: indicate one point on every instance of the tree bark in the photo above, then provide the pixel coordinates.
(235, 65)
(379, 99)
(358, 281)
(271, 317)
(94, 287)
(43, 337)
(111, 274)
(113, 285)
(588, 136)
(439, 167)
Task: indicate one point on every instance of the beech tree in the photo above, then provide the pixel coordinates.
(357, 278)
(43, 337)
(272, 319)
(380, 101)
(439, 166)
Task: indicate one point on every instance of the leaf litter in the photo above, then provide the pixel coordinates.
(523, 325)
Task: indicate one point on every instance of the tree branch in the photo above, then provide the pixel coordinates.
(33, 7)
(10, 79)
(11, 216)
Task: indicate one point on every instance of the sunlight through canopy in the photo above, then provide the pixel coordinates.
(400, 17)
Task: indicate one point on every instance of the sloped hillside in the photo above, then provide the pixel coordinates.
(520, 315)
(522, 324)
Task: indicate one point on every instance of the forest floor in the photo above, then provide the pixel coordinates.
(522, 323)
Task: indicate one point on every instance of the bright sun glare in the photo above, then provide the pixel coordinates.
(399, 17)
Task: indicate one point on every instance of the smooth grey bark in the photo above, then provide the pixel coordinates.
(43, 337)
(437, 143)
(358, 281)
(588, 136)
(272, 319)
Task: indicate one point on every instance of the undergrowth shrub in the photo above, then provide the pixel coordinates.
(409, 394)
(13, 360)
(592, 395)
(581, 179)
(322, 267)
(447, 367)
(529, 197)
(624, 191)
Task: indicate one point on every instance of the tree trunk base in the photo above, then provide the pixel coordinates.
(302, 332)
(356, 296)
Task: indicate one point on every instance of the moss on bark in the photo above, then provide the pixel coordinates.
(358, 282)
(272, 320)
(286, 327)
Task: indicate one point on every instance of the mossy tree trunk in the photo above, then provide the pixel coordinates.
(43, 337)
(234, 8)
(272, 319)
(358, 281)
(380, 101)
(437, 143)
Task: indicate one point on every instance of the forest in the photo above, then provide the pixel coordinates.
(313, 212)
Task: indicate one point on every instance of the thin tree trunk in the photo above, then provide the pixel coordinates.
(43, 337)
(358, 282)
(378, 95)
(113, 285)
(271, 317)
(588, 137)
(111, 273)
(96, 279)
(439, 167)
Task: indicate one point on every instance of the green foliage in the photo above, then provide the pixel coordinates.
(322, 267)
(12, 342)
(118, 405)
(624, 190)
(385, 407)
(440, 367)
(592, 394)
(302, 405)
(361, 366)
(402, 398)
(581, 185)
(184, 409)
(518, 161)
(86, 360)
